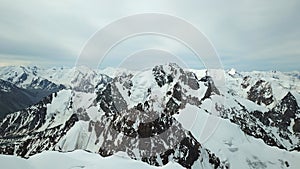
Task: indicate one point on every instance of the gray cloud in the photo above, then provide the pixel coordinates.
(248, 35)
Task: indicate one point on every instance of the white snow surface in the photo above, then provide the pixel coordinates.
(222, 137)
(76, 160)
(229, 143)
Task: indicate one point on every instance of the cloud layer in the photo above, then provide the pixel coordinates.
(248, 35)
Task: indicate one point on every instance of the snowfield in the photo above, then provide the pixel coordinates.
(77, 159)
(240, 150)
(165, 116)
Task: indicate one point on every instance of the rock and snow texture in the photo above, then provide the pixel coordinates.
(31, 84)
(240, 150)
(158, 116)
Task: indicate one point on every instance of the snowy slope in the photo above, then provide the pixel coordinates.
(263, 106)
(101, 122)
(240, 150)
(71, 78)
(75, 160)
(161, 116)
(37, 83)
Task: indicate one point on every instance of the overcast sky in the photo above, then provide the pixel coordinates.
(247, 34)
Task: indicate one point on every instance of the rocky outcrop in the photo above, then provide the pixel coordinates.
(276, 127)
(144, 130)
(261, 93)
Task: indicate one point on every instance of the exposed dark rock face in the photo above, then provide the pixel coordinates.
(249, 126)
(262, 124)
(296, 127)
(18, 98)
(261, 92)
(31, 143)
(146, 129)
(211, 88)
(84, 81)
(190, 79)
(156, 134)
(25, 121)
(13, 98)
(161, 76)
(282, 114)
(246, 82)
(20, 132)
(31, 85)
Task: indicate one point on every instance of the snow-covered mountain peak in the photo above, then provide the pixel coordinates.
(159, 115)
(232, 72)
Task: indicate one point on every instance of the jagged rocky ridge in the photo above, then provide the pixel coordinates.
(21, 88)
(148, 126)
(116, 118)
(32, 84)
(277, 125)
(134, 113)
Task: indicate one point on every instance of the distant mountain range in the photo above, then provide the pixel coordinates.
(156, 116)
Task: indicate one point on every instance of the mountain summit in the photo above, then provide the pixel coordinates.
(158, 116)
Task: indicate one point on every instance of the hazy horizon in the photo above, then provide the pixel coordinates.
(126, 68)
(247, 36)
